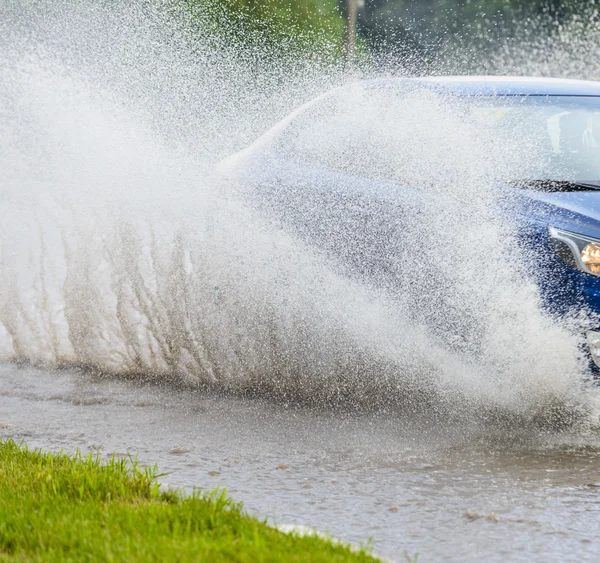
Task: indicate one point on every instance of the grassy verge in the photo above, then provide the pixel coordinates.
(56, 507)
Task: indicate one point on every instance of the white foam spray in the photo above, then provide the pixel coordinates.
(122, 251)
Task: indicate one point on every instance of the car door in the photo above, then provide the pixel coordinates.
(360, 222)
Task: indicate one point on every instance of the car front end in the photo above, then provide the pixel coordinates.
(559, 234)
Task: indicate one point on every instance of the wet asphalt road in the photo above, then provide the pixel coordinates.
(460, 491)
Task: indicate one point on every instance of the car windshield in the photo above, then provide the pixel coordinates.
(557, 137)
(424, 137)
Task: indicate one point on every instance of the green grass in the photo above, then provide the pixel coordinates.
(57, 507)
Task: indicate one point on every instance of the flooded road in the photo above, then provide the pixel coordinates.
(451, 492)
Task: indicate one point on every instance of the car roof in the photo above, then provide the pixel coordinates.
(497, 85)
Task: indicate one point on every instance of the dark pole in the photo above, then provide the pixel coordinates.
(351, 16)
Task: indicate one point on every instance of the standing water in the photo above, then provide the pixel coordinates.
(164, 315)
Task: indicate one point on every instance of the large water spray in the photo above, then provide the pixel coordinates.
(122, 249)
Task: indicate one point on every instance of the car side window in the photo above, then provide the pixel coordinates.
(340, 132)
(313, 136)
(376, 133)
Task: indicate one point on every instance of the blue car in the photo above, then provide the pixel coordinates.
(340, 173)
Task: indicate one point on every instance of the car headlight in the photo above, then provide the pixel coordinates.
(577, 251)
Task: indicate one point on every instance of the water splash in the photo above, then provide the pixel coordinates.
(123, 251)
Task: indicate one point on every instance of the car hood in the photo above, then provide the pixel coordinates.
(571, 211)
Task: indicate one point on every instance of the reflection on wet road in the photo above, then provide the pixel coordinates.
(411, 484)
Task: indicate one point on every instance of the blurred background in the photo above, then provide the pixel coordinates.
(386, 28)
